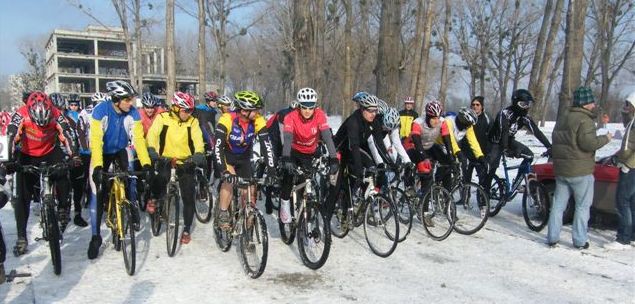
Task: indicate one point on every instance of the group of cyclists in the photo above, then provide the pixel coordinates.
(220, 135)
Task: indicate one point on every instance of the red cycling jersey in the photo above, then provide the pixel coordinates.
(34, 140)
(146, 121)
(306, 132)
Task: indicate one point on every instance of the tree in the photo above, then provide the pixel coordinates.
(347, 90)
(445, 43)
(387, 67)
(170, 50)
(420, 72)
(202, 66)
(573, 52)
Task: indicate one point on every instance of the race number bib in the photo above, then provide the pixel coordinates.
(4, 148)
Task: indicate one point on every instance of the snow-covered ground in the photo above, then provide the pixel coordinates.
(503, 263)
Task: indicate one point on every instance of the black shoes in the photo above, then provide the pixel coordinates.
(585, 246)
(20, 247)
(79, 221)
(93, 247)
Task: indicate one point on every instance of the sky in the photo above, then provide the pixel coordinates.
(36, 20)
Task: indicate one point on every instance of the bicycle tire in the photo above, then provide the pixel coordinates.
(468, 218)
(497, 193)
(222, 238)
(437, 198)
(535, 205)
(53, 236)
(405, 212)
(113, 231)
(311, 233)
(380, 211)
(128, 240)
(172, 221)
(287, 231)
(204, 200)
(258, 230)
(155, 222)
(338, 225)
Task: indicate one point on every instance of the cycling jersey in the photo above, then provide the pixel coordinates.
(508, 122)
(422, 132)
(110, 133)
(206, 116)
(74, 115)
(305, 132)
(406, 117)
(39, 141)
(146, 121)
(469, 134)
(173, 138)
(274, 124)
(392, 142)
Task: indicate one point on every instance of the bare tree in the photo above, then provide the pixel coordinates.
(420, 77)
(573, 52)
(202, 64)
(387, 67)
(170, 50)
(445, 42)
(348, 48)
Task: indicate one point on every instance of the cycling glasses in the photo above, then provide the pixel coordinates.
(371, 110)
(188, 111)
(524, 104)
(307, 105)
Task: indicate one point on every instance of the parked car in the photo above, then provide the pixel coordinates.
(603, 212)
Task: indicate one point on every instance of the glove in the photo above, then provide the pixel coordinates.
(382, 166)
(148, 173)
(286, 164)
(97, 176)
(153, 154)
(461, 157)
(199, 159)
(409, 166)
(272, 176)
(334, 165)
(11, 167)
(230, 178)
(76, 161)
(482, 163)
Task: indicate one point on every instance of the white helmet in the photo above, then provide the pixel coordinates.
(307, 98)
(368, 101)
(391, 119)
(631, 98)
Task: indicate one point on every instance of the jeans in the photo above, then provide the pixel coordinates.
(582, 188)
(625, 205)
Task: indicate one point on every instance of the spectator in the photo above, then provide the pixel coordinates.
(574, 145)
(481, 129)
(625, 197)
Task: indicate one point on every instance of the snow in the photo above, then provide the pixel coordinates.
(503, 263)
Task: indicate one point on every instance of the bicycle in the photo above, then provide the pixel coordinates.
(204, 200)
(471, 203)
(313, 233)
(48, 215)
(375, 210)
(535, 202)
(168, 211)
(248, 225)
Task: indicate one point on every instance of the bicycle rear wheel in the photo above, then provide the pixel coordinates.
(253, 244)
(314, 238)
(338, 223)
(497, 192)
(437, 212)
(128, 241)
(203, 200)
(53, 236)
(155, 222)
(472, 205)
(172, 221)
(381, 225)
(535, 205)
(405, 212)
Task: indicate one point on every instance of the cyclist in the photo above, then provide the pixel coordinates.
(206, 115)
(481, 128)
(73, 108)
(235, 135)
(503, 131)
(113, 124)
(37, 126)
(464, 131)
(177, 135)
(83, 132)
(407, 116)
(303, 128)
(224, 105)
(150, 111)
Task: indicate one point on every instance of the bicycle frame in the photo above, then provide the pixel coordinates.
(511, 189)
(116, 199)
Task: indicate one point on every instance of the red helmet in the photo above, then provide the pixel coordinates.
(434, 109)
(40, 110)
(183, 100)
(38, 96)
(211, 96)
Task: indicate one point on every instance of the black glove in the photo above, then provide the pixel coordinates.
(461, 157)
(153, 154)
(230, 178)
(334, 165)
(272, 176)
(199, 159)
(381, 166)
(482, 163)
(10, 167)
(148, 172)
(286, 164)
(97, 176)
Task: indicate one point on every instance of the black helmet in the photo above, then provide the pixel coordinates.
(522, 99)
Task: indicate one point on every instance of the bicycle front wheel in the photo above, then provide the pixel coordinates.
(253, 244)
(381, 225)
(497, 195)
(128, 238)
(314, 238)
(53, 236)
(172, 221)
(437, 212)
(287, 231)
(204, 200)
(405, 212)
(472, 205)
(338, 222)
(535, 205)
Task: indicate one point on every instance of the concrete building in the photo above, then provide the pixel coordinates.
(83, 62)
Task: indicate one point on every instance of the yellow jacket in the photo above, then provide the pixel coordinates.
(169, 136)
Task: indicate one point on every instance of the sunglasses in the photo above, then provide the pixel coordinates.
(476, 104)
(188, 111)
(306, 108)
(372, 111)
(524, 104)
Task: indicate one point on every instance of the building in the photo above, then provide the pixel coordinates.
(83, 62)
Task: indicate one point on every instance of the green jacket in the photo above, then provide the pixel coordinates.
(626, 155)
(575, 142)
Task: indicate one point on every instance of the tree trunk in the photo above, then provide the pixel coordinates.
(446, 48)
(138, 50)
(122, 12)
(202, 66)
(170, 50)
(552, 79)
(347, 91)
(540, 46)
(425, 54)
(418, 46)
(302, 43)
(574, 48)
(387, 67)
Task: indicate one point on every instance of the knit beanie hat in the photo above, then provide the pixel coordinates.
(583, 96)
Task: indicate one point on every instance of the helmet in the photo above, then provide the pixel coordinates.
(409, 99)
(149, 100)
(434, 109)
(382, 106)
(368, 101)
(58, 100)
(307, 98)
(631, 99)
(391, 119)
(467, 117)
(183, 101)
(211, 96)
(98, 97)
(359, 96)
(40, 110)
(522, 99)
(120, 89)
(248, 100)
(224, 100)
(73, 98)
